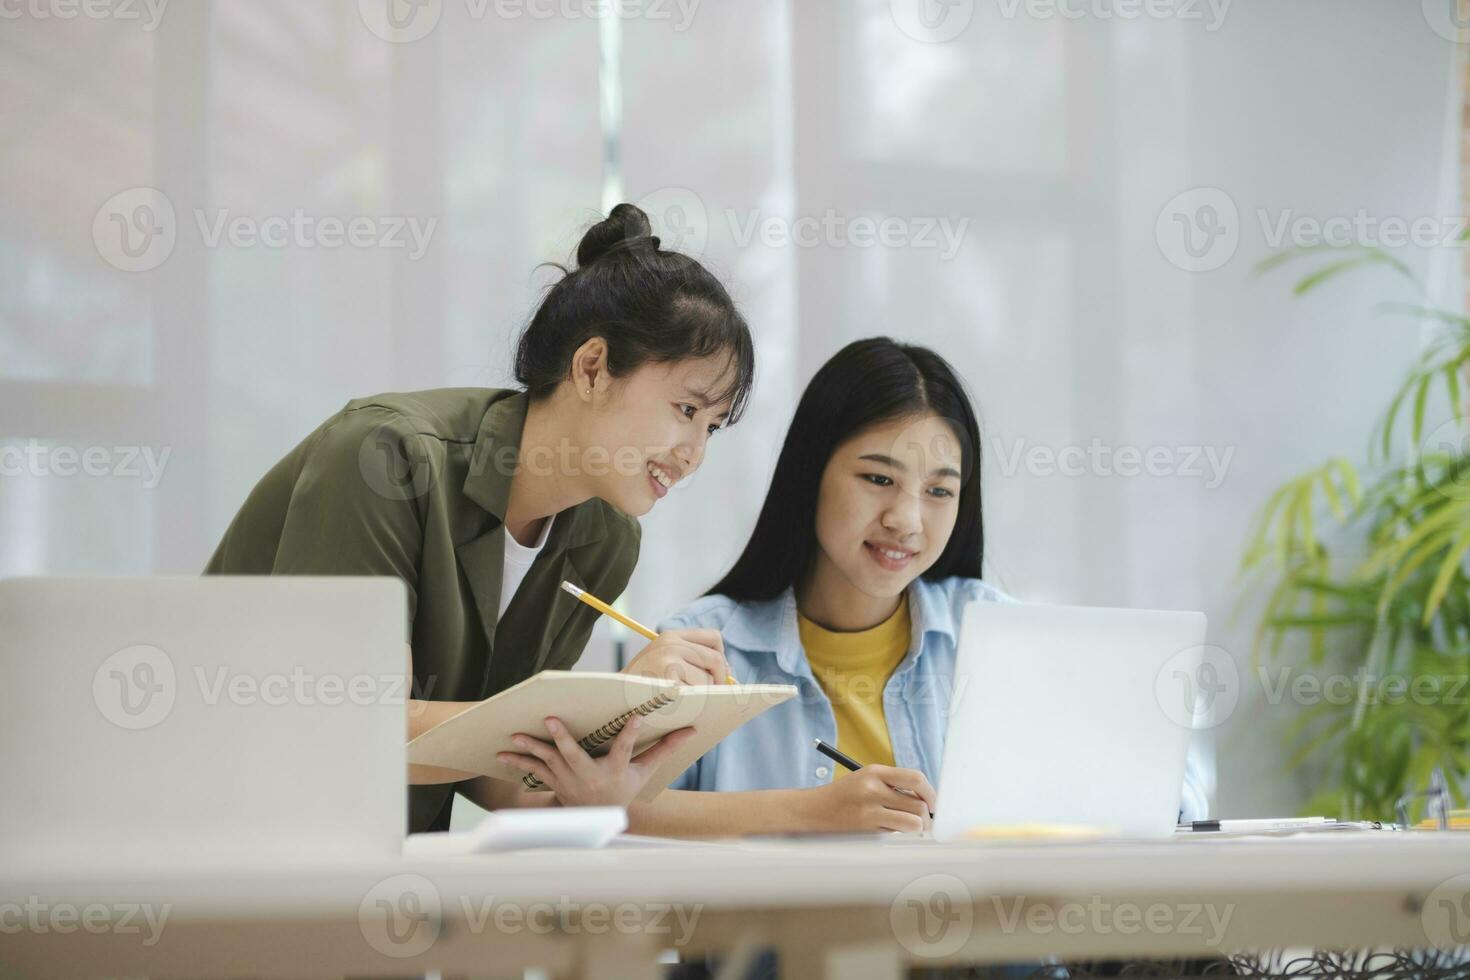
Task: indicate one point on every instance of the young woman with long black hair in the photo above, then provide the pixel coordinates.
(852, 587)
(483, 500)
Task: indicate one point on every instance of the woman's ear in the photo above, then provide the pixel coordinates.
(589, 369)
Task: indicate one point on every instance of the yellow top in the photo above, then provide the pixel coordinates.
(853, 669)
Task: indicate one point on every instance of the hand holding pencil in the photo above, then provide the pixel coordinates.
(693, 656)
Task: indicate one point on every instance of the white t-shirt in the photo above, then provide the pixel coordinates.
(518, 559)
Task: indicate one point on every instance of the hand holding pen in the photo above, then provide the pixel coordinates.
(883, 783)
(693, 656)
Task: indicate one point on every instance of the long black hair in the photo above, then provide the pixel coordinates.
(867, 383)
(649, 303)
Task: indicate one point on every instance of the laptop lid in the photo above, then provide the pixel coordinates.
(179, 720)
(1067, 715)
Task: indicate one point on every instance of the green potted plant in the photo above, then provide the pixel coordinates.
(1367, 564)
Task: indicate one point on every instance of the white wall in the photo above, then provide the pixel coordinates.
(1054, 141)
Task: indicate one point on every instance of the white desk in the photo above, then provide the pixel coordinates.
(849, 909)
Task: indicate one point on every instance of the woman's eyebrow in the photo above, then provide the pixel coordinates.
(890, 461)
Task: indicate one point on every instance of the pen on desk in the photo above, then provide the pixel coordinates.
(1256, 825)
(843, 759)
(627, 621)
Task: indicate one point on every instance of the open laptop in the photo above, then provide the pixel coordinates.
(1069, 715)
(148, 721)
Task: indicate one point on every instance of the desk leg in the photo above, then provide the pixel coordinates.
(874, 961)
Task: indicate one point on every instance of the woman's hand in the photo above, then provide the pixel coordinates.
(688, 656)
(577, 778)
(873, 798)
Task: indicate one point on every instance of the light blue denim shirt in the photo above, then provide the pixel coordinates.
(774, 750)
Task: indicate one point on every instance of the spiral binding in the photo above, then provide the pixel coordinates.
(608, 732)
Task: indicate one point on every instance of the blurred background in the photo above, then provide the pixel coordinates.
(222, 220)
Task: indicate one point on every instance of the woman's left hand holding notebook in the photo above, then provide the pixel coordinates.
(579, 779)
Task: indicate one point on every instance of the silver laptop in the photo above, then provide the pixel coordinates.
(1068, 715)
(148, 721)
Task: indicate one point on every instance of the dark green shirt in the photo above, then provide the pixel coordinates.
(415, 485)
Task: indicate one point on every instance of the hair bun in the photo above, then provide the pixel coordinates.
(623, 225)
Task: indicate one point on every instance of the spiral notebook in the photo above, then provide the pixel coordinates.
(594, 707)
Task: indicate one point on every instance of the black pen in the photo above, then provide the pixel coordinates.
(846, 761)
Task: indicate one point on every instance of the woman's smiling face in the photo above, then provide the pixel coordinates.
(888, 502)
(654, 426)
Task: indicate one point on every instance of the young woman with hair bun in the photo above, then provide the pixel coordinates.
(483, 500)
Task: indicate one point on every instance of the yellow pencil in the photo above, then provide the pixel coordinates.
(627, 621)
